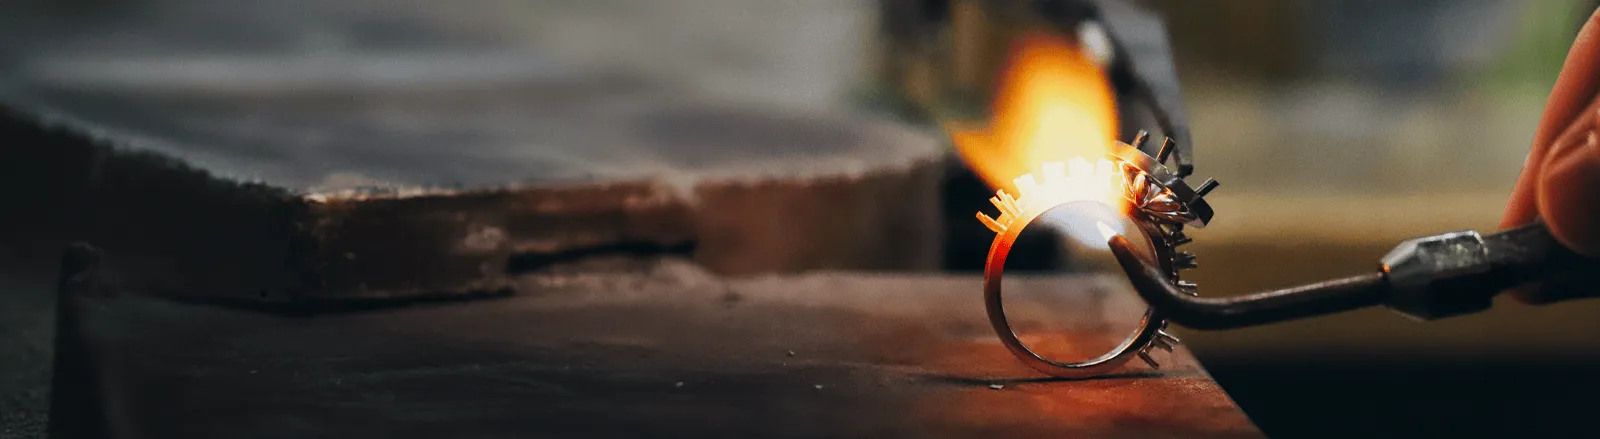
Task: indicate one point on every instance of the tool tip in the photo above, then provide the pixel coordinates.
(1122, 249)
(1105, 231)
(1148, 281)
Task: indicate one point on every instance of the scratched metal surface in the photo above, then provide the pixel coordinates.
(26, 314)
(674, 353)
(315, 97)
(277, 151)
(315, 138)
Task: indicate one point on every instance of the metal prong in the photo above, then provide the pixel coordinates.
(1167, 146)
(1206, 187)
(1138, 139)
(1007, 205)
(1164, 341)
(993, 225)
(1145, 355)
(1184, 260)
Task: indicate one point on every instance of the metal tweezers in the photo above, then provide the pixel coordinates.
(1425, 278)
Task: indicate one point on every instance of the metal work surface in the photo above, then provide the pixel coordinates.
(26, 316)
(274, 152)
(326, 98)
(671, 353)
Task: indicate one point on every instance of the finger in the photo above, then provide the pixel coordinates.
(1577, 84)
(1566, 201)
(1569, 186)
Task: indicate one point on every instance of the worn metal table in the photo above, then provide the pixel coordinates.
(275, 152)
(237, 152)
(666, 350)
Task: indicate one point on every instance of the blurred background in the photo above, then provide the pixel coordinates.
(1338, 128)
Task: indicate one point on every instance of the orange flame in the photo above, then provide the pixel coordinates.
(1053, 105)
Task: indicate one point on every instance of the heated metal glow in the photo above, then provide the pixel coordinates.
(1105, 231)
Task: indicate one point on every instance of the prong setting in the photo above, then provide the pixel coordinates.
(1160, 202)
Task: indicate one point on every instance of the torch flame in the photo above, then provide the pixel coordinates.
(1054, 105)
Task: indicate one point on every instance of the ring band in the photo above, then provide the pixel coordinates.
(1160, 202)
(993, 272)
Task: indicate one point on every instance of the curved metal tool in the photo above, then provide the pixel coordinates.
(1425, 278)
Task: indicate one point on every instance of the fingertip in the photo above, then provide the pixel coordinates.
(1574, 87)
(1569, 195)
(1520, 207)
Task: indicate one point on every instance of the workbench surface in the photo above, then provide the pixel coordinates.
(670, 351)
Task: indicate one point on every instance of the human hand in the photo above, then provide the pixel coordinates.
(1560, 182)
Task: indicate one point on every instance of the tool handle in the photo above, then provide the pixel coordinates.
(1530, 256)
(1459, 273)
